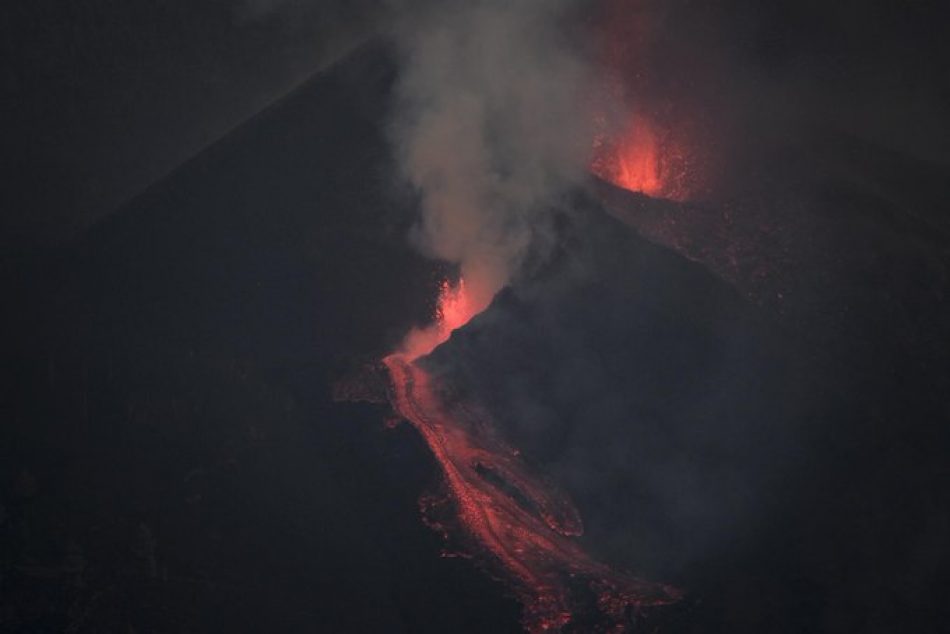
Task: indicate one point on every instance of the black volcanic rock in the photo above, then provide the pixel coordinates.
(711, 441)
(167, 392)
(668, 405)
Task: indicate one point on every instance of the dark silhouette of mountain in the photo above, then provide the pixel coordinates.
(171, 458)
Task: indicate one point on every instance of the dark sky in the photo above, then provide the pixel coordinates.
(874, 69)
(104, 97)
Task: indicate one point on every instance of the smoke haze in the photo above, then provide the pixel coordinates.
(491, 128)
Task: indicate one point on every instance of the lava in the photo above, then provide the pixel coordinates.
(455, 306)
(646, 140)
(516, 524)
(643, 160)
(633, 162)
(638, 162)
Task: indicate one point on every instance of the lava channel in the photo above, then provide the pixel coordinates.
(519, 528)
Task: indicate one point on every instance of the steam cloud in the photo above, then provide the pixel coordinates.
(491, 128)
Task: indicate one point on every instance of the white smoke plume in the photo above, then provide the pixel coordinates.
(491, 127)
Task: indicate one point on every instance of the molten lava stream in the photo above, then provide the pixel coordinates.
(526, 536)
(520, 528)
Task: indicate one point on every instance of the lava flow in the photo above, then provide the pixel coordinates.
(513, 522)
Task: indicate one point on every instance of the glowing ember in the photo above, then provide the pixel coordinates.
(453, 310)
(632, 163)
(647, 137)
(518, 527)
(641, 160)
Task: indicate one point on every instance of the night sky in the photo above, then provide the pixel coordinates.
(205, 227)
(102, 100)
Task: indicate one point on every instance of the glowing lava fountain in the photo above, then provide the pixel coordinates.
(649, 138)
(643, 159)
(455, 307)
(511, 521)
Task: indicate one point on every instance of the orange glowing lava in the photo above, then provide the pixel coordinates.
(516, 524)
(454, 308)
(632, 162)
(647, 137)
(642, 160)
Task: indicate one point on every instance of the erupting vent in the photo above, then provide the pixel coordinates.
(454, 308)
(642, 159)
(649, 135)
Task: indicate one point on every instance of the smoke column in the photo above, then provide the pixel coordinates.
(490, 127)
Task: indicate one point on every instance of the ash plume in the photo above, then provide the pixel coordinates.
(490, 128)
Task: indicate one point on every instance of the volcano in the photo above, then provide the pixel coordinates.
(716, 422)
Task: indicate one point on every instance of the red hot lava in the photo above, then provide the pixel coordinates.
(514, 523)
(454, 308)
(647, 135)
(643, 160)
(521, 529)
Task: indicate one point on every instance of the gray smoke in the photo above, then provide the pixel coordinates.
(491, 126)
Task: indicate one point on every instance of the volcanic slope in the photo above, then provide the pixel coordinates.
(174, 460)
